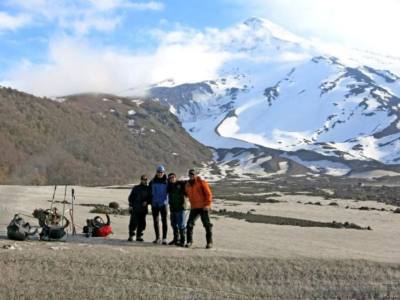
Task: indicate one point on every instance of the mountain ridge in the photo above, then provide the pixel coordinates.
(285, 94)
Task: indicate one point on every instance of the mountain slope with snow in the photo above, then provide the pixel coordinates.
(279, 91)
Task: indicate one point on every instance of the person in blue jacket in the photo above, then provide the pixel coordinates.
(159, 204)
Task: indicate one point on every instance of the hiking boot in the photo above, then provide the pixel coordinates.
(139, 239)
(130, 239)
(164, 242)
(182, 235)
(176, 237)
(188, 245)
(157, 241)
(209, 238)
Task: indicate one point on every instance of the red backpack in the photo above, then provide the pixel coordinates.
(103, 231)
(97, 227)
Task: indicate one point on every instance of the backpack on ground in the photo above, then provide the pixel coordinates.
(96, 227)
(19, 230)
(53, 224)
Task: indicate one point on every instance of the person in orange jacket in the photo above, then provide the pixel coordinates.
(200, 198)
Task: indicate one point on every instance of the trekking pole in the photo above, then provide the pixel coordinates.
(63, 213)
(54, 194)
(72, 212)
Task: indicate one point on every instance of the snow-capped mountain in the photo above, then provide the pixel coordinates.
(334, 114)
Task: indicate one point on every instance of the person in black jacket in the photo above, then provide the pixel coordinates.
(176, 194)
(139, 198)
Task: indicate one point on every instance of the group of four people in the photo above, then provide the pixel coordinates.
(166, 191)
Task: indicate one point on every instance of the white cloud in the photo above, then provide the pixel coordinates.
(367, 24)
(184, 55)
(86, 24)
(74, 66)
(81, 16)
(9, 22)
(187, 62)
(114, 4)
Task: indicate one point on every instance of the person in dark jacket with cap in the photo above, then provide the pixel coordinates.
(159, 204)
(139, 198)
(176, 198)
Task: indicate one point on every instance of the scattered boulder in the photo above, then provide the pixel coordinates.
(113, 205)
(333, 204)
(397, 210)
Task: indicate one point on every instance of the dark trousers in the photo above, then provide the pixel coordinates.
(137, 223)
(157, 211)
(204, 215)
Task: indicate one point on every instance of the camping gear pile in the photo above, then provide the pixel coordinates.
(54, 224)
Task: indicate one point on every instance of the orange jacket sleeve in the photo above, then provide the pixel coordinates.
(207, 193)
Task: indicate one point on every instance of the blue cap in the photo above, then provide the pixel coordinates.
(160, 168)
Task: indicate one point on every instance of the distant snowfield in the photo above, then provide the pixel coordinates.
(233, 238)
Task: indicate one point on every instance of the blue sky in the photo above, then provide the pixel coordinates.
(28, 35)
(45, 39)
